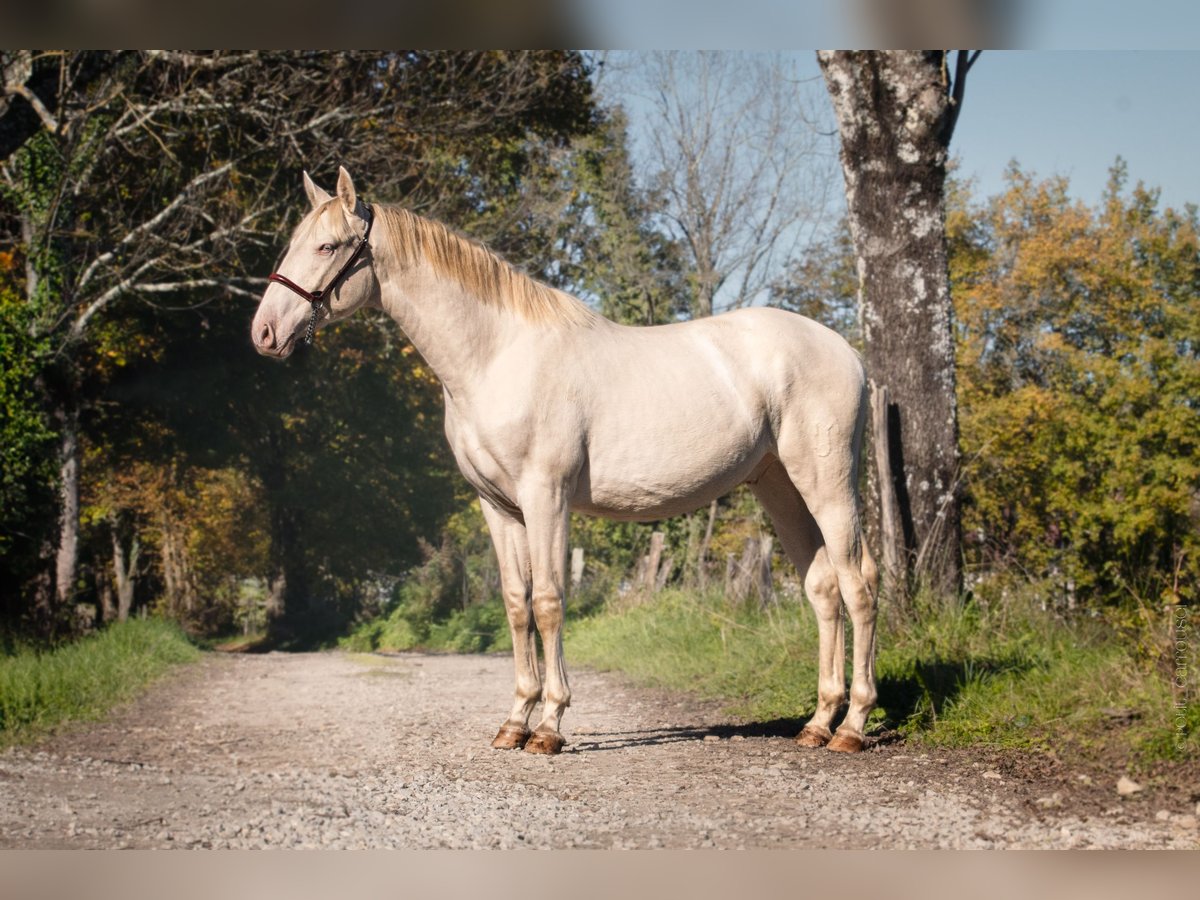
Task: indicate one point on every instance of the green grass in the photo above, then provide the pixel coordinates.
(954, 675)
(39, 690)
(763, 664)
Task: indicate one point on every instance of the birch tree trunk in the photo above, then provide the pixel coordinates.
(68, 536)
(896, 113)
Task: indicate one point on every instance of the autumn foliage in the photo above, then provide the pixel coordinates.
(1079, 384)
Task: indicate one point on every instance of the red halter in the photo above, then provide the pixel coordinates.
(317, 298)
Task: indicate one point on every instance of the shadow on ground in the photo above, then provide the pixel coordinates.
(916, 696)
(921, 694)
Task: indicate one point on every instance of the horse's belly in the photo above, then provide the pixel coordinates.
(640, 509)
(639, 492)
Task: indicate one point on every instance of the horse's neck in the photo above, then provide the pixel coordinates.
(455, 332)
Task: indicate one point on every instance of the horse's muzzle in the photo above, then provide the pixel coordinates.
(266, 341)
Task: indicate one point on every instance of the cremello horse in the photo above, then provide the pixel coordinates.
(553, 409)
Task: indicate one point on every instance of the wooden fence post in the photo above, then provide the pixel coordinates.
(891, 536)
(576, 566)
(664, 572)
(766, 588)
(650, 576)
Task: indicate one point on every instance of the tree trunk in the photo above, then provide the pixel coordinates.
(766, 584)
(125, 571)
(653, 560)
(104, 588)
(896, 112)
(179, 581)
(276, 599)
(664, 573)
(752, 574)
(576, 566)
(67, 558)
(702, 554)
(173, 576)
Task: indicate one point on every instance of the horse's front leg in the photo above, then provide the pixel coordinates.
(512, 552)
(546, 525)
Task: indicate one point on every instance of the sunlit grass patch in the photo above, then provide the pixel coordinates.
(949, 673)
(85, 679)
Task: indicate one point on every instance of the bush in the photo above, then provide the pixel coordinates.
(480, 628)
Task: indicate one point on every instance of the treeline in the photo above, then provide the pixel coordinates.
(152, 461)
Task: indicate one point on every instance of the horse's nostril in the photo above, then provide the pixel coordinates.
(266, 336)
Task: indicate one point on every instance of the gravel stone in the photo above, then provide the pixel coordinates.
(318, 751)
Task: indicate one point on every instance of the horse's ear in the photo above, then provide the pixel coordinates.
(316, 195)
(345, 190)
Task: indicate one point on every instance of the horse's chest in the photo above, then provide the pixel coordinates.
(485, 468)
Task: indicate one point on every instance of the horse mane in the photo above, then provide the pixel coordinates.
(458, 258)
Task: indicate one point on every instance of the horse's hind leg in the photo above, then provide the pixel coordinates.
(512, 552)
(836, 513)
(802, 541)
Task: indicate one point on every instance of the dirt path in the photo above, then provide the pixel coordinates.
(334, 750)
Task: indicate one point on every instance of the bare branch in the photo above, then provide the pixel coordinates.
(739, 163)
(195, 60)
(138, 231)
(228, 284)
(44, 114)
(962, 65)
(79, 326)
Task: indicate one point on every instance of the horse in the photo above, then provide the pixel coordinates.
(551, 408)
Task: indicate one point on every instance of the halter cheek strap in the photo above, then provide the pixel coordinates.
(317, 298)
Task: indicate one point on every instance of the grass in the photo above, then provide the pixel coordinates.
(83, 680)
(953, 675)
(759, 662)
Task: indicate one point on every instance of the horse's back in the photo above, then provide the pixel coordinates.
(762, 358)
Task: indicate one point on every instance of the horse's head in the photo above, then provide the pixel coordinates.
(324, 276)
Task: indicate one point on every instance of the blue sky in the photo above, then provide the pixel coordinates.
(1072, 112)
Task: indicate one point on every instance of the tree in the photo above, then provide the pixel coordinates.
(26, 451)
(739, 165)
(740, 172)
(1079, 373)
(630, 268)
(896, 113)
(141, 183)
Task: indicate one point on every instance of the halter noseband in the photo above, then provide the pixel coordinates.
(317, 298)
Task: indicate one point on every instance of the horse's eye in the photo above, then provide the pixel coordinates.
(325, 249)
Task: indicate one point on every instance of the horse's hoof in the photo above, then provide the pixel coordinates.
(510, 737)
(813, 736)
(544, 742)
(845, 743)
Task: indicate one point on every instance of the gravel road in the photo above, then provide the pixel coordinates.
(356, 751)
